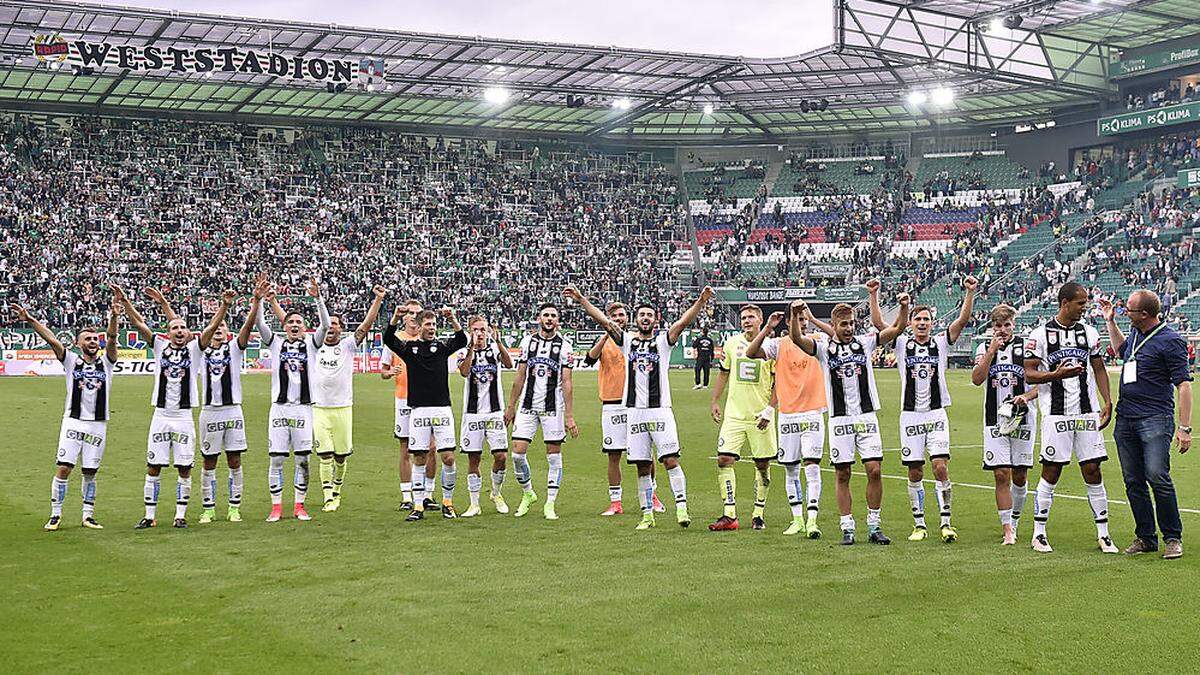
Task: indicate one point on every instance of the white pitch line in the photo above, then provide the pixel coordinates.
(978, 486)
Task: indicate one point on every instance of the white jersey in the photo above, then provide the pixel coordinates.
(1053, 345)
(223, 374)
(176, 375)
(335, 374)
(544, 359)
(88, 386)
(293, 362)
(923, 372)
(850, 378)
(483, 393)
(647, 368)
(1005, 379)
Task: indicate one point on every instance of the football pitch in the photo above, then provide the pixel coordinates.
(360, 590)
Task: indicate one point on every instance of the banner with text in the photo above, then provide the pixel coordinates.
(1148, 119)
(1154, 61)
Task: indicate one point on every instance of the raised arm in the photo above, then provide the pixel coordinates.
(964, 314)
(821, 325)
(227, 299)
(135, 317)
(597, 349)
(872, 287)
(110, 335)
(755, 350)
(505, 356)
(157, 296)
(797, 336)
(276, 308)
(47, 335)
(689, 316)
(1115, 337)
(893, 331)
(464, 365)
(449, 315)
(260, 317)
(314, 291)
(261, 287)
(573, 293)
(360, 333)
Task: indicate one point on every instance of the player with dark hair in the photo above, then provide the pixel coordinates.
(393, 368)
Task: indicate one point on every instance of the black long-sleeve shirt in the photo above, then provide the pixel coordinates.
(428, 372)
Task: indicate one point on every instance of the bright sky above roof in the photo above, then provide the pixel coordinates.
(753, 28)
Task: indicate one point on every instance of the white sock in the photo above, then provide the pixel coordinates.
(497, 481)
(1019, 493)
(943, 497)
(646, 494)
(1043, 501)
(847, 523)
(275, 479)
(553, 475)
(795, 493)
(1098, 499)
(916, 499)
(235, 487)
(474, 487)
(89, 495)
(183, 494)
(301, 478)
(521, 468)
(873, 519)
(58, 494)
(1006, 516)
(418, 485)
(449, 480)
(812, 481)
(678, 485)
(150, 495)
(614, 493)
(406, 490)
(208, 488)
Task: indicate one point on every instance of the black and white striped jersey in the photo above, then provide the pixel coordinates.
(293, 362)
(223, 374)
(88, 386)
(1052, 345)
(923, 372)
(849, 376)
(1005, 379)
(647, 365)
(483, 393)
(545, 358)
(177, 375)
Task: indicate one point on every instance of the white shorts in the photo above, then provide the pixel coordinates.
(613, 421)
(553, 424)
(1064, 435)
(850, 433)
(1000, 452)
(222, 429)
(434, 423)
(647, 427)
(78, 438)
(171, 437)
(924, 433)
(290, 429)
(403, 414)
(801, 437)
(478, 427)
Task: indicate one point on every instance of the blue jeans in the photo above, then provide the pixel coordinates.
(1144, 447)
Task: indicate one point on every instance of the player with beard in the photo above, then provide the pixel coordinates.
(84, 429)
(647, 396)
(392, 368)
(545, 394)
(429, 395)
(483, 411)
(290, 428)
(613, 414)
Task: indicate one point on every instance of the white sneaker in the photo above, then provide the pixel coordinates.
(1106, 545)
(471, 512)
(1040, 544)
(699, 386)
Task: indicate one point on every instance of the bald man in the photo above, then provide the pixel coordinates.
(1155, 368)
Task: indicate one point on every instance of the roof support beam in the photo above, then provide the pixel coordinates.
(668, 97)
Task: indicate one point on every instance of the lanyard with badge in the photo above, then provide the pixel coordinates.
(1129, 370)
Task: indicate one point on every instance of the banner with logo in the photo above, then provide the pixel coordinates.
(228, 59)
(1189, 178)
(824, 294)
(1148, 119)
(1154, 61)
(829, 270)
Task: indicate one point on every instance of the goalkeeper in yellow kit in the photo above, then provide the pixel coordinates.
(748, 423)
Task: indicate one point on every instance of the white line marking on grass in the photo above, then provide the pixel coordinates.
(977, 486)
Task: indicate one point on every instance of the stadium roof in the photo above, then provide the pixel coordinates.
(883, 50)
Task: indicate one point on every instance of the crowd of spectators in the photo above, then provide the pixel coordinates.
(194, 207)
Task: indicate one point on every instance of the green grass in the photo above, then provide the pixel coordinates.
(360, 590)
